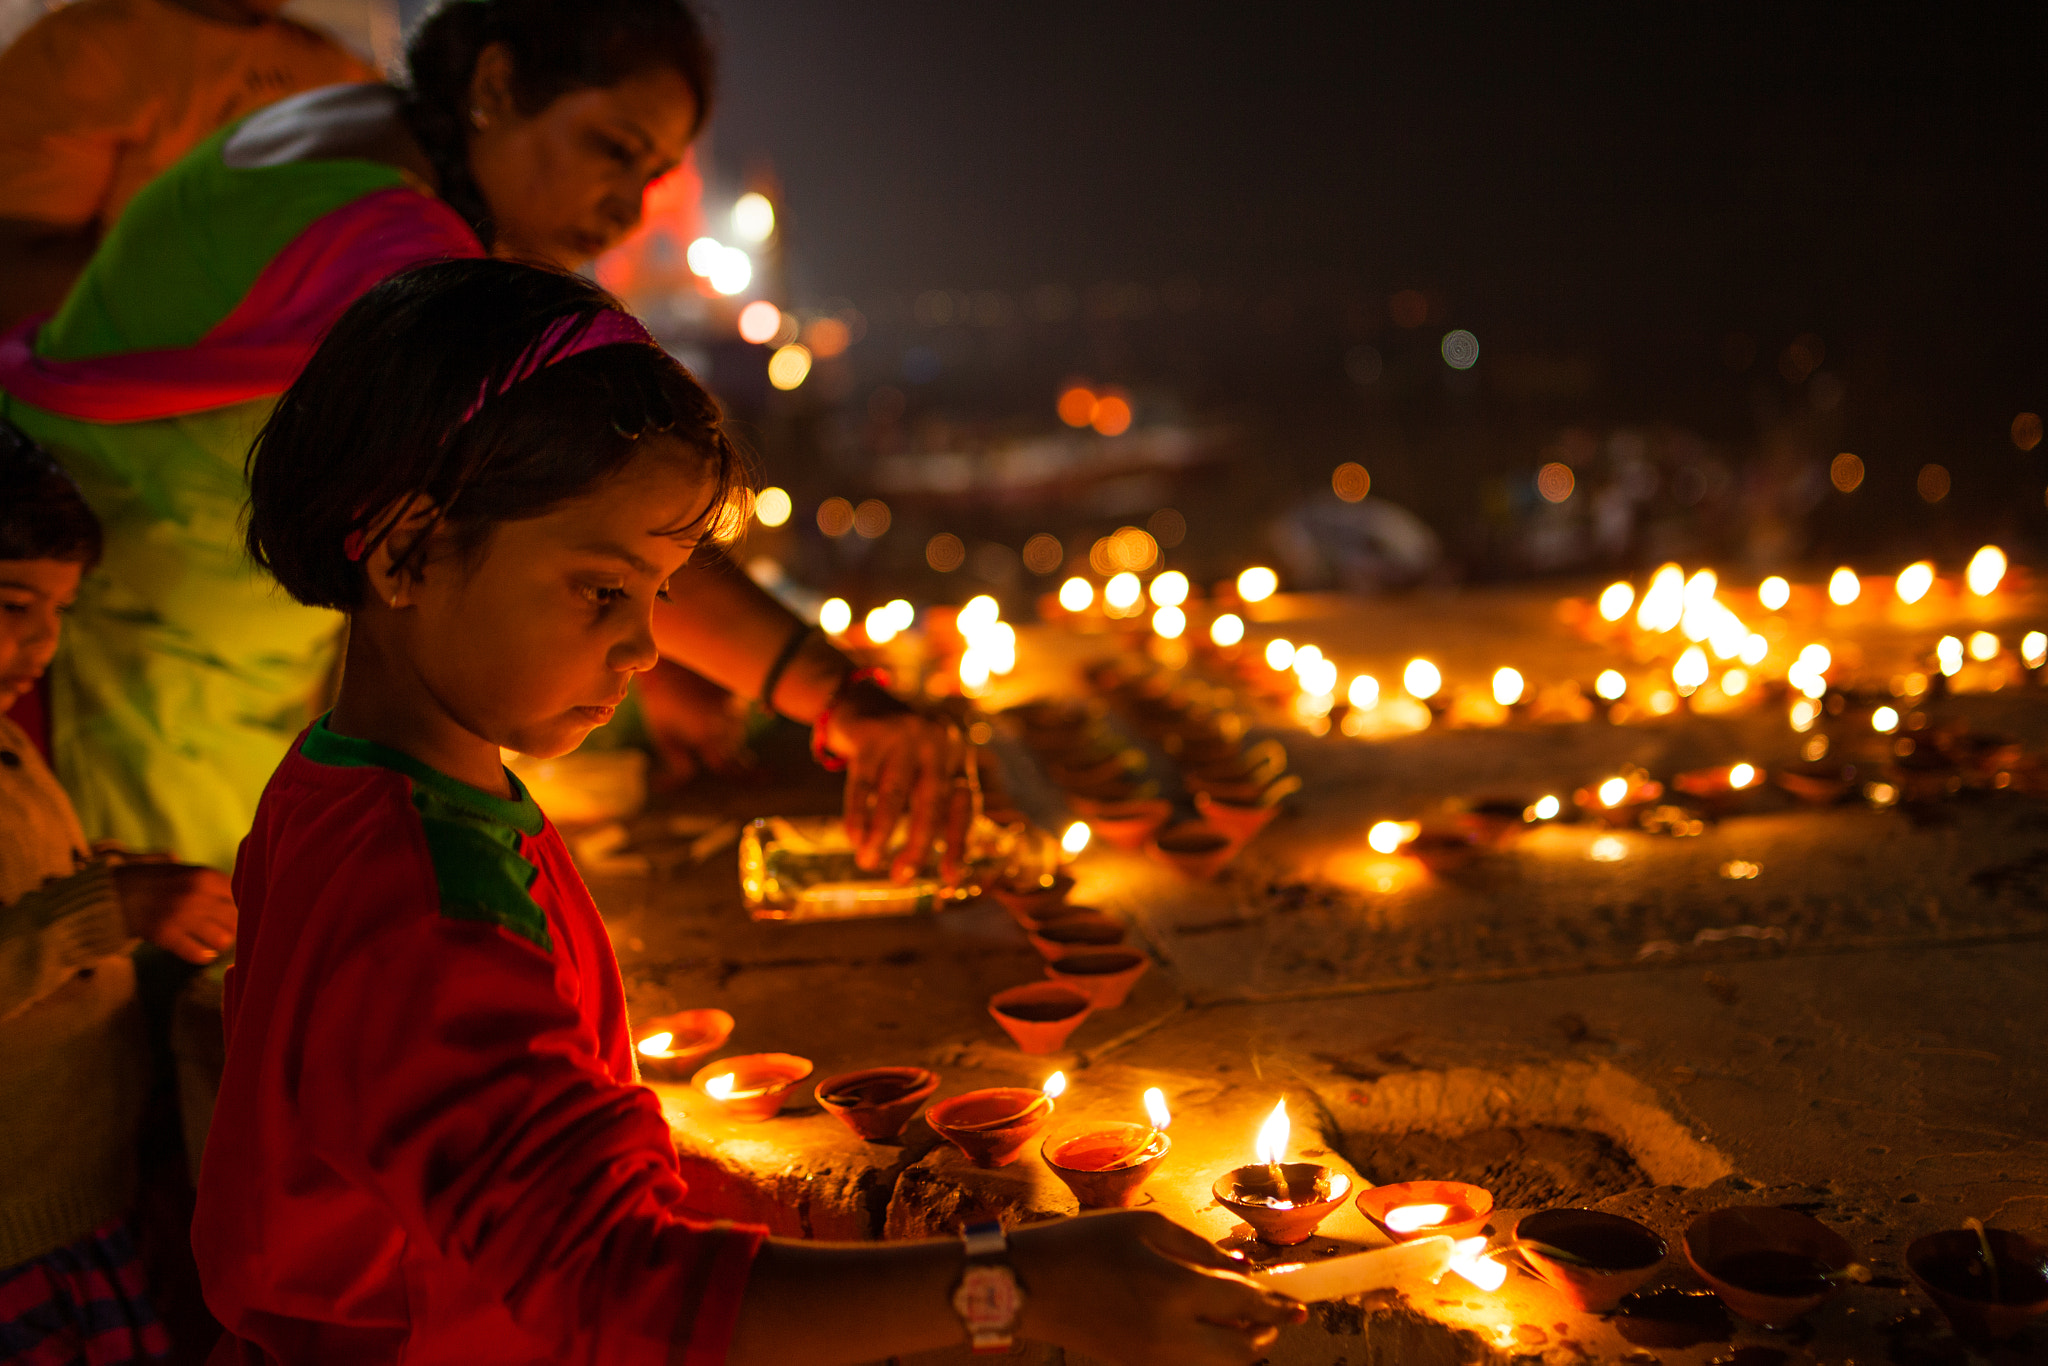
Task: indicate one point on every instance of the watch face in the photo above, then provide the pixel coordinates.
(988, 1298)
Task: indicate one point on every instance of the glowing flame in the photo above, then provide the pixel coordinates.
(1076, 838)
(1055, 1086)
(1742, 775)
(1610, 684)
(1915, 580)
(1076, 595)
(1468, 1259)
(654, 1045)
(1387, 836)
(1364, 692)
(1691, 669)
(1155, 1107)
(1408, 1218)
(1949, 654)
(1123, 591)
(1774, 593)
(1663, 601)
(721, 1088)
(1279, 654)
(1227, 629)
(1507, 687)
(2034, 649)
(1615, 602)
(1257, 584)
(1844, 587)
(1987, 567)
(1422, 679)
(1884, 720)
(1612, 791)
(1170, 589)
(1544, 808)
(1271, 1147)
(1983, 645)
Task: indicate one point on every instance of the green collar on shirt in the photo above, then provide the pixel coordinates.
(323, 746)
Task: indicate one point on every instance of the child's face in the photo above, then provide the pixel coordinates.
(34, 595)
(532, 644)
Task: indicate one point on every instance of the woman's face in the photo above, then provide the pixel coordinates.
(566, 183)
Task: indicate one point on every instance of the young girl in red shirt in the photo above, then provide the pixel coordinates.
(430, 1143)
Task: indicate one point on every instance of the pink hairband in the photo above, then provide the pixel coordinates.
(608, 328)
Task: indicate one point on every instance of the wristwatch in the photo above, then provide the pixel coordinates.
(989, 1299)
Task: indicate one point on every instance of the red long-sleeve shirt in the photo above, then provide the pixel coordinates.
(430, 1144)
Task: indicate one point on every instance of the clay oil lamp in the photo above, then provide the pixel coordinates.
(1194, 849)
(1284, 1202)
(672, 1044)
(1619, 800)
(1724, 788)
(1243, 778)
(991, 1126)
(1498, 821)
(1986, 1281)
(1028, 899)
(878, 1102)
(1105, 1165)
(1769, 1265)
(1129, 824)
(1590, 1258)
(1424, 1209)
(1058, 915)
(1244, 820)
(1817, 782)
(1056, 939)
(1440, 848)
(1106, 976)
(1039, 1016)
(752, 1087)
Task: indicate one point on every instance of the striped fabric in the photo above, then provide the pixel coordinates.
(86, 1304)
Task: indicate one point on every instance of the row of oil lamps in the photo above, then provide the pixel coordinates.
(1769, 1265)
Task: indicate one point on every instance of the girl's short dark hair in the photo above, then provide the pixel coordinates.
(557, 46)
(42, 514)
(380, 417)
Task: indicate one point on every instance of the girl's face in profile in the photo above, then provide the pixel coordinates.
(530, 643)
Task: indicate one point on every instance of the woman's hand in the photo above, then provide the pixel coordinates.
(1135, 1288)
(187, 910)
(897, 761)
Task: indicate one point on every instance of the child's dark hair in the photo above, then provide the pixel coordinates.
(556, 46)
(380, 417)
(42, 514)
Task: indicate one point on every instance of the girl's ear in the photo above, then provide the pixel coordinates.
(397, 562)
(490, 89)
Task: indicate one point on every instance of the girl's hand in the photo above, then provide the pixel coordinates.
(187, 910)
(899, 760)
(1135, 1288)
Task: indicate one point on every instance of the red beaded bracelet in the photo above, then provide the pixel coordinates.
(829, 761)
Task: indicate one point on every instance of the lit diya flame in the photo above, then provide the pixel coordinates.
(725, 1088)
(1544, 808)
(1742, 775)
(1386, 837)
(1408, 1218)
(1469, 1259)
(1076, 838)
(1155, 1108)
(1055, 1086)
(1613, 791)
(1271, 1148)
(654, 1045)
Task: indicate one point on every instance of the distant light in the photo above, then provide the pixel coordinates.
(977, 614)
(1933, 483)
(1319, 679)
(1387, 837)
(945, 552)
(1076, 838)
(753, 217)
(1612, 791)
(1691, 669)
(1227, 629)
(1754, 648)
(1257, 584)
(1735, 682)
(1111, 415)
(1507, 687)
(1076, 594)
(1844, 587)
(828, 337)
(789, 366)
(732, 272)
(1610, 685)
(1170, 589)
(1279, 654)
(880, 624)
(1608, 849)
(1616, 600)
(1307, 655)
(759, 322)
(1663, 604)
(1774, 593)
(1845, 472)
(1948, 653)
(1043, 553)
(1914, 581)
(1804, 714)
(1545, 808)
(2026, 431)
(835, 615)
(1987, 568)
(1076, 405)
(1460, 349)
(1699, 589)
(1741, 775)
(1169, 622)
(1884, 720)
(1555, 482)
(1364, 692)
(975, 669)
(901, 613)
(703, 255)
(2034, 649)
(772, 506)
(1983, 646)
(871, 519)
(1123, 591)
(1350, 481)
(835, 517)
(1422, 679)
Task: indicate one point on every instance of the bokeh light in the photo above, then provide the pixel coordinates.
(1691, 669)
(1168, 527)
(753, 217)
(945, 552)
(1350, 481)
(1615, 601)
(1610, 685)
(1460, 351)
(871, 519)
(1555, 482)
(1948, 654)
(835, 615)
(1076, 405)
(1169, 622)
(1983, 646)
(1257, 584)
(1663, 604)
(2026, 431)
(1422, 679)
(828, 337)
(1914, 581)
(1507, 687)
(1227, 629)
(1845, 472)
(1884, 720)
(1933, 483)
(1169, 589)
(880, 625)
(1364, 692)
(2034, 649)
(1844, 587)
(1111, 415)
(1774, 593)
(1123, 591)
(789, 366)
(1279, 654)
(732, 270)
(1043, 553)
(759, 322)
(772, 506)
(1076, 595)
(835, 517)
(1986, 571)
